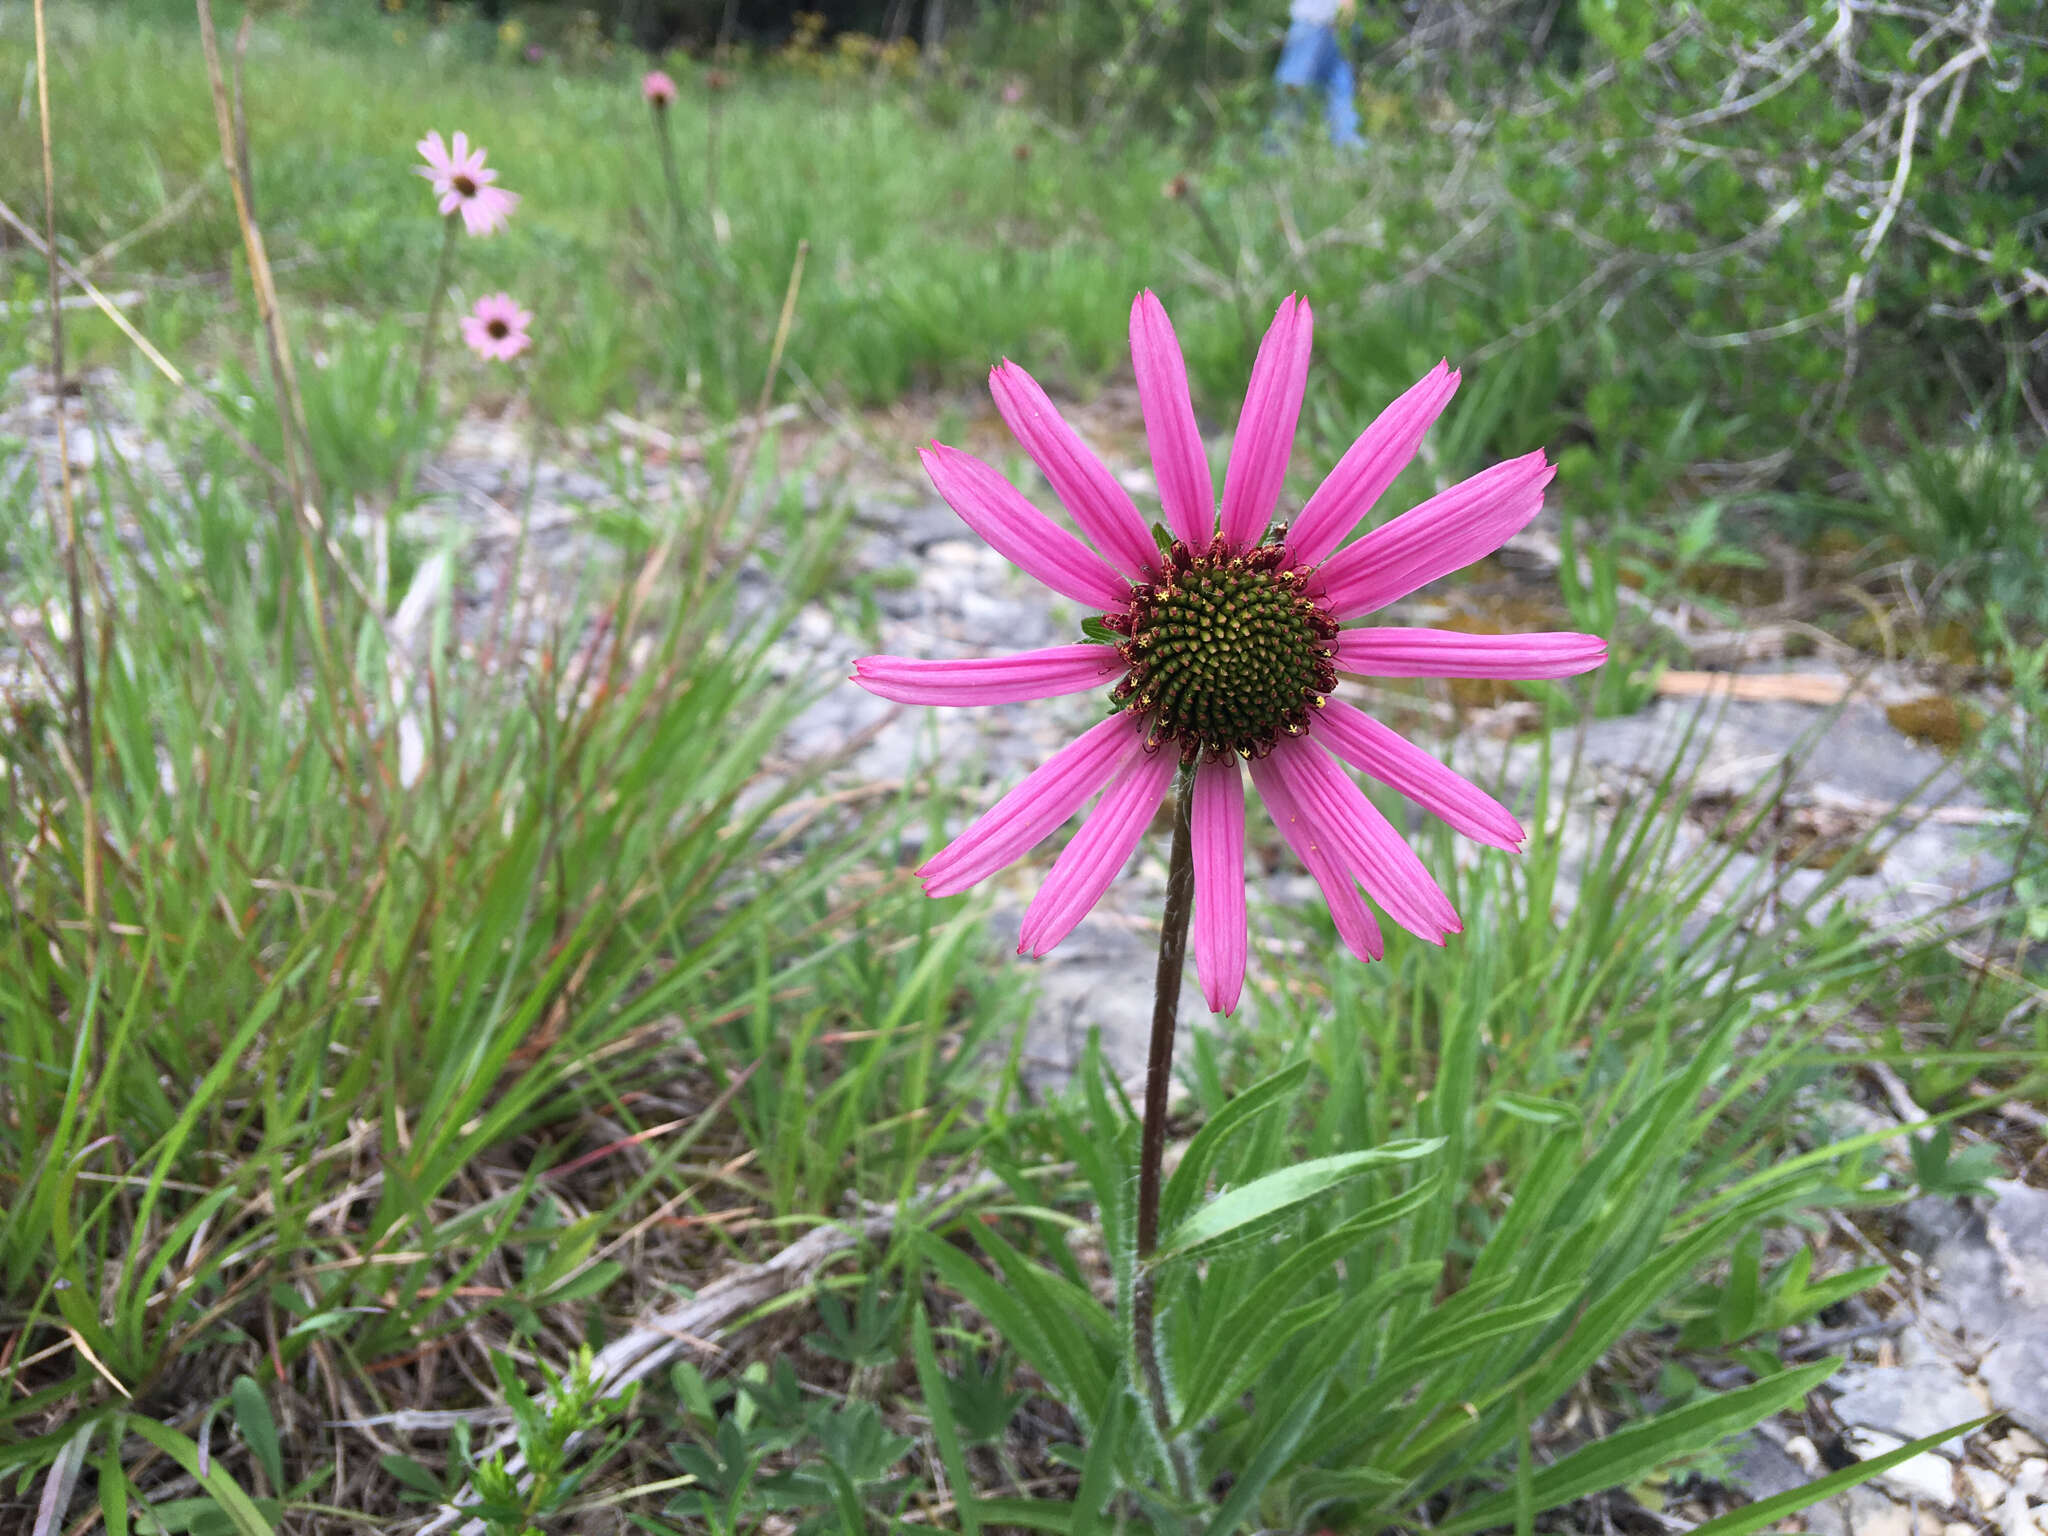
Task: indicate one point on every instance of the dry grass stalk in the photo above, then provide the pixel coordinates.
(284, 377)
(81, 685)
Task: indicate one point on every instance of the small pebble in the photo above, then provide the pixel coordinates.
(1986, 1487)
(1925, 1476)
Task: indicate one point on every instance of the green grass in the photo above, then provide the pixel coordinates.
(935, 251)
(926, 266)
(337, 1044)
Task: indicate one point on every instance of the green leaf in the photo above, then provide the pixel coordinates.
(1736, 1314)
(1259, 1325)
(1184, 1188)
(1033, 1514)
(1266, 1463)
(1538, 1111)
(1098, 1470)
(241, 1511)
(1239, 1215)
(1629, 1453)
(938, 1403)
(415, 1475)
(252, 1414)
(1768, 1512)
(1040, 1314)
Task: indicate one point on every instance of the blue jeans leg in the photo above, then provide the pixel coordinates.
(1312, 60)
(1301, 56)
(1340, 100)
(1300, 71)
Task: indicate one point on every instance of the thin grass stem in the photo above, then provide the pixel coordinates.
(429, 336)
(81, 684)
(665, 140)
(751, 446)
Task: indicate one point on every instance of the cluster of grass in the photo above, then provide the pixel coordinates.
(330, 1069)
(391, 1018)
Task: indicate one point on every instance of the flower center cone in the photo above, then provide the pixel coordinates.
(1227, 654)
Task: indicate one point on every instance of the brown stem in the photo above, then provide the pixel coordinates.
(1173, 951)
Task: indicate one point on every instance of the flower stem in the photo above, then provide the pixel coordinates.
(428, 335)
(665, 136)
(1173, 950)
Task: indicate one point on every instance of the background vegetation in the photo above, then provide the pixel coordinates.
(356, 1110)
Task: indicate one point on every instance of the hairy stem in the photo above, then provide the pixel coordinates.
(1173, 950)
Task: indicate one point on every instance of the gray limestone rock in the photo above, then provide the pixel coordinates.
(1907, 1401)
(1762, 1469)
(1992, 1292)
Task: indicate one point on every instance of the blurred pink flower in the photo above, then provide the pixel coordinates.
(535, 53)
(463, 182)
(1227, 647)
(657, 88)
(1013, 93)
(495, 329)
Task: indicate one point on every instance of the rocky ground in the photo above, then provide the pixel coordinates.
(1965, 1331)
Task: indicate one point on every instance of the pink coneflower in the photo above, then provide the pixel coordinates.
(496, 328)
(1228, 644)
(658, 90)
(464, 184)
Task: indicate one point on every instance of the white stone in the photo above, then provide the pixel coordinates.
(1873, 1514)
(1805, 1452)
(1986, 1487)
(1925, 1476)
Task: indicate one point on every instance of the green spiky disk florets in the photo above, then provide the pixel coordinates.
(1227, 654)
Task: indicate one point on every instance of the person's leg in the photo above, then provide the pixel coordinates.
(1340, 98)
(1298, 72)
(1300, 56)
